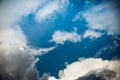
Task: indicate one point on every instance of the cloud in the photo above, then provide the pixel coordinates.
(102, 17)
(52, 78)
(15, 62)
(49, 10)
(59, 37)
(78, 16)
(44, 76)
(107, 49)
(16, 57)
(99, 75)
(16, 11)
(42, 51)
(92, 34)
(85, 68)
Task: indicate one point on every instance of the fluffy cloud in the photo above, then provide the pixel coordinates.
(92, 34)
(16, 57)
(90, 67)
(101, 17)
(59, 37)
(49, 10)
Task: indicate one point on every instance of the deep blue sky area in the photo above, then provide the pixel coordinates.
(40, 34)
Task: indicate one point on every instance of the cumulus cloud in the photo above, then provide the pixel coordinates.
(90, 67)
(104, 16)
(16, 57)
(59, 37)
(49, 10)
(92, 34)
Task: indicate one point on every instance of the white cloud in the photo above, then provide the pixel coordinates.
(92, 34)
(42, 51)
(49, 10)
(16, 57)
(16, 11)
(52, 78)
(84, 66)
(59, 37)
(104, 16)
(46, 11)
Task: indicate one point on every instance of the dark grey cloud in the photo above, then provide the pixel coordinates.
(17, 66)
(99, 75)
(6, 76)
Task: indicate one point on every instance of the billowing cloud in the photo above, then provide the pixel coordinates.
(104, 16)
(89, 68)
(59, 37)
(16, 57)
(92, 34)
(48, 11)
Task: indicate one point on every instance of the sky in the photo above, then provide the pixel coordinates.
(60, 40)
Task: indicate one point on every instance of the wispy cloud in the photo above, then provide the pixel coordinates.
(42, 51)
(49, 10)
(107, 49)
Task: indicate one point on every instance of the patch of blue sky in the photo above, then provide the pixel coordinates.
(70, 52)
(39, 34)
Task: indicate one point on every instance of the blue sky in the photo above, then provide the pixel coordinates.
(39, 34)
(53, 39)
